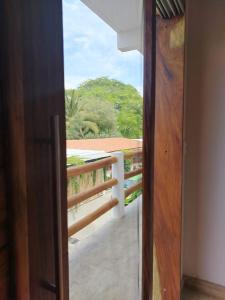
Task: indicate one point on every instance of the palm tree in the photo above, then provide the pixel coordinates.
(78, 123)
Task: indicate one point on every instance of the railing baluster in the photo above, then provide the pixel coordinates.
(118, 190)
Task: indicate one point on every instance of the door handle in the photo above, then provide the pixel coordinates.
(58, 208)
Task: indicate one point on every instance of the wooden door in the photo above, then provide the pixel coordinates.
(163, 155)
(33, 97)
(4, 230)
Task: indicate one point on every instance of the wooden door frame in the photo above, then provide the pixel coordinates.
(162, 152)
(15, 74)
(148, 146)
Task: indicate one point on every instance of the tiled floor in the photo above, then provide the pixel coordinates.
(105, 265)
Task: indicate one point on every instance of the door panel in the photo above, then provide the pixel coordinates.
(148, 147)
(168, 158)
(163, 155)
(4, 232)
(33, 91)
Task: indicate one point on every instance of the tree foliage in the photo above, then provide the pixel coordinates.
(103, 107)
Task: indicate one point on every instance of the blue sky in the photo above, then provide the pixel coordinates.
(90, 49)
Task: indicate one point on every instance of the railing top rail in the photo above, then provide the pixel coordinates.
(134, 153)
(84, 195)
(133, 173)
(92, 217)
(133, 188)
(76, 171)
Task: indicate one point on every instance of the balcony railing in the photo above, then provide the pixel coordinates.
(119, 194)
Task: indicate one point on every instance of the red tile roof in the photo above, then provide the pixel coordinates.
(106, 144)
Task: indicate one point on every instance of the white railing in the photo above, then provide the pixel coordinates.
(116, 183)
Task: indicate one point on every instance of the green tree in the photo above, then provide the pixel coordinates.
(101, 113)
(103, 107)
(88, 117)
(77, 120)
(127, 102)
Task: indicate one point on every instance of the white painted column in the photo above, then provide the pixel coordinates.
(118, 190)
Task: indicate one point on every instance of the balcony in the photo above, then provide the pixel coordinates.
(104, 234)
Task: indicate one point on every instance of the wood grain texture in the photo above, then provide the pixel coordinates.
(3, 213)
(156, 280)
(148, 146)
(12, 94)
(4, 236)
(93, 166)
(33, 92)
(4, 273)
(168, 154)
(4, 230)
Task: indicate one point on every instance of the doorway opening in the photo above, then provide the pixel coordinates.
(103, 54)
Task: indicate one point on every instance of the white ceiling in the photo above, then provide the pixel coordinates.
(115, 12)
(123, 16)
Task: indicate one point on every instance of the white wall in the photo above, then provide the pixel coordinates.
(204, 184)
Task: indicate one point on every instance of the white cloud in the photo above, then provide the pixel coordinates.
(140, 89)
(90, 48)
(74, 81)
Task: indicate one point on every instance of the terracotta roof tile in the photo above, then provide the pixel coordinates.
(106, 144)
